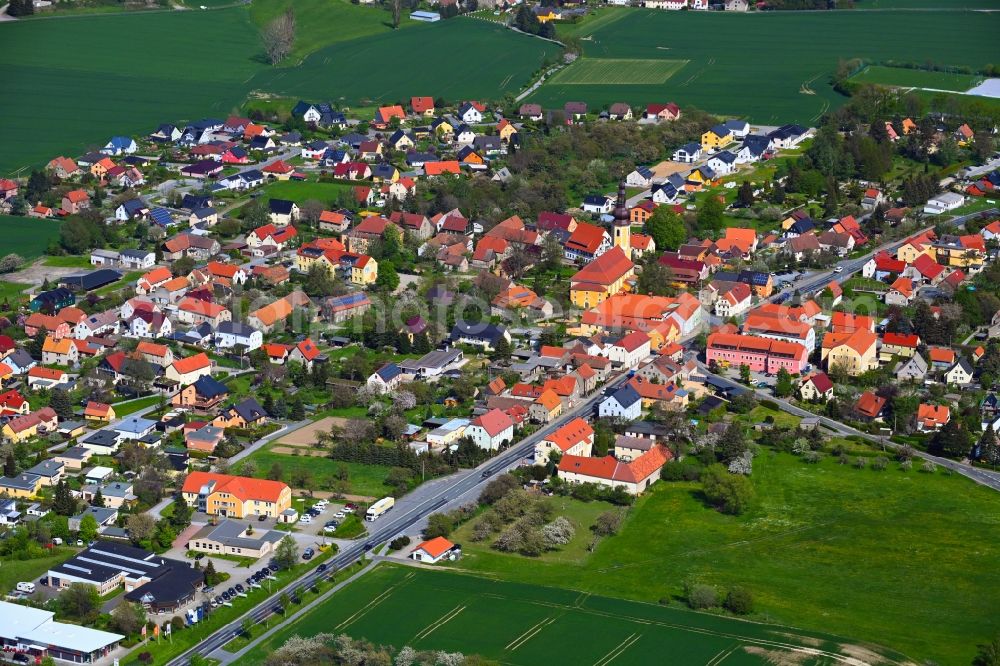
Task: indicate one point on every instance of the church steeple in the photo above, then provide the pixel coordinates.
(622, 226)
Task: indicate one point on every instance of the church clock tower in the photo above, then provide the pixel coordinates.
(622, 226)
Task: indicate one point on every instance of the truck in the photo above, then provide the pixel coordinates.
(379, 508)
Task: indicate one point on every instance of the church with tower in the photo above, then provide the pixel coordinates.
(622, 227)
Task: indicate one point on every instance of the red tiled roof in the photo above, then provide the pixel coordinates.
(869, 404)
(242, 487)
(606, 269)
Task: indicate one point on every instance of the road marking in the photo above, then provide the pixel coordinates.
(440, 622)
(529, 634)
(618, 650)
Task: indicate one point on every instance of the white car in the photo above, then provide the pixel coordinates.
(838, 269)
(340, 514)
(305, 519)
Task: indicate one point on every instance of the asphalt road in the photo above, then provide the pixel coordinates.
(408, 511)
(980, 476)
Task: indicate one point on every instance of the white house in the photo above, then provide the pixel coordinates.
(943, 203)
(723, 163)
(576, 438)
(491, 430)
(629, 350)
(689, 152)
(734, 301)
(385, 379)
(137, 259)
(625, 403)
(470, 114)
(232, 333)
(597, 203)
(434, 550)
(640, 177)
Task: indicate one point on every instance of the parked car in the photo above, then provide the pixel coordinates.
(308, 553)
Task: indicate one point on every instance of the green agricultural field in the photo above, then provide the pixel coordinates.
(62, 97)
(915, 78)
(525, 624)
(299, 192)
(768, 66)
(902, 559)
(320, 23)
(494, 61)
(26, 236)
(617, 71)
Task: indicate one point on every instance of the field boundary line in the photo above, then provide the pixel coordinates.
(529, 634)
(721, 656)
(438, 623)
(373, 603)
(618, 650)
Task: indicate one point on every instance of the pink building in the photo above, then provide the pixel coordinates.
(760, 354)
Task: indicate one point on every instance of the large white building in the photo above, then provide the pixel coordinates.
(35, 633)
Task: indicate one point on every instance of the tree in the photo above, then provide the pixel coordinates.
(88, 528)
(310, 211)
(320, 281)
(246, 627)
(656, 279)
(98, 500)
(730, 493)
(181, 517)
(784, 386)
(279, 37)
(10, 466)
(62, 404)
(128, 618)
(558, 533)
(952, 440)
(297, 410)
(11, 263)
(739, 601)
(62, 500)
(80, 601)
(397, 9)
(710, 214)
(745, 373)
(438, 524)
(276, 472)
(667, 228)
(988, 654)
(140, 527)
(700, 596)
(502, 351)
(989, 448)
(388, 278)
(287, 553)
(745, 196)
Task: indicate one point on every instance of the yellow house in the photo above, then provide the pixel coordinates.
(364, 270)
(911, 249)
(442, 126)
(549, 15)
(388, 176)
(959, 257)
(506, 130)
(236, 496)
(853, 352)
(716, 137)
(600, 279)
(22, 485)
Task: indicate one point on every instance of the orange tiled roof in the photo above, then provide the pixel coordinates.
(242, 487)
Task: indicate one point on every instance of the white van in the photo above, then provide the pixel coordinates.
(26, 587)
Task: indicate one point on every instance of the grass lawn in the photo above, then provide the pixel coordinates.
(351, 528)
(67, 261)
(13, 572)
(11, 290)
(902, 559)
(527, 624)
(481, 557)
(26, 236)
(364, 479)
(127, 281)
(780, 419)
(299, 192)
(760, 80)
(915, 78)
(132, 406)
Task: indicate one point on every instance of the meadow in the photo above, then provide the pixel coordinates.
(523, 624)
(363, 479)
(27, 236)
(615, 71)
(901, 559)
(770, 67)
(300, 192)
(915, 78)
(394, 66)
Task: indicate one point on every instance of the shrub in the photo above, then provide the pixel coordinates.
(399, 543)
(688, 469)
(498, 488)
(701, 596)
(739, 601)
(730, 493)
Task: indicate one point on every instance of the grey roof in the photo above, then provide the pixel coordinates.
(117, 489)
(101, 514)
(626, 396)
(434, 359)
(47, 468)
(230, 533)
(22, 481)
(135, 424)
(235, 328)
(76, 452)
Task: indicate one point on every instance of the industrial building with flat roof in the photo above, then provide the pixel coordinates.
(33, 632)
